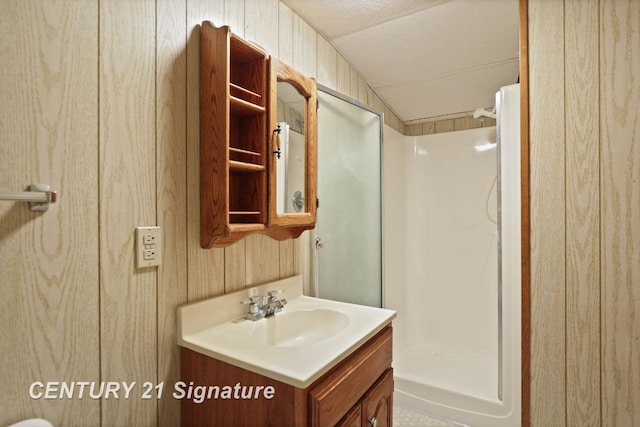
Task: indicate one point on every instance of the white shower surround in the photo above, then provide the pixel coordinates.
(441, 273)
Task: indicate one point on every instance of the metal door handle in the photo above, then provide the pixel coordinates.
(373, 422)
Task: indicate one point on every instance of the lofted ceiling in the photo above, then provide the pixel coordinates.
(424, 58)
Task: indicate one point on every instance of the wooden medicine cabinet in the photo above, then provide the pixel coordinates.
(238, 120)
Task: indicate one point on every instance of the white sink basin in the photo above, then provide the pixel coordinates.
(295, 346)
(292, 328)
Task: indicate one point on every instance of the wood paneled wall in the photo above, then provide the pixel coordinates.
(584, 63)
(49, 262)
(100, 100)
(461, 121)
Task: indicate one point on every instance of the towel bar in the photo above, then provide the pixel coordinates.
(39, 196)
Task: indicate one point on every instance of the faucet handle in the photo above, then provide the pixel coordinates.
(251, 300)
(272, 294)
(256, 312)
(254, 303)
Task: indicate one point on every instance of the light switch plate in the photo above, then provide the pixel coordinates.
(148, 246)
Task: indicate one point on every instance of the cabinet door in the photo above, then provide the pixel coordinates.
(353, 417)
(341, 389)
(377, 405)
(293, 152)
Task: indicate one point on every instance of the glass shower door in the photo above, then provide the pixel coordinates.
(348, 234)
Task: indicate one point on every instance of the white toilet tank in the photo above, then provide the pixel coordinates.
(33, 422)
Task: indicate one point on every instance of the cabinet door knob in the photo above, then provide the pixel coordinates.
(373, 422)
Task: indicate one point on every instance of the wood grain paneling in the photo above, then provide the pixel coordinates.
(582, 213)
(355, 78)
(363, 90)
(235, 268)
(262, 262)
(305, 47)
(327, 64)
(285, 34)
(261, 24)
(413, 130)
(262, 259)
(285, 45)
(375, 102)
(48, 133)
(392, 120)
(205, 267)
(233, 15)
(601, 62)
(620, 214)
(343, 75)
(171, 119)
(428, 128)
(547, 171)
(288, 258)
(128, 314)
(446, 125)
(464, 123)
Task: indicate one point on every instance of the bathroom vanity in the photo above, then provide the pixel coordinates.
(316, 363)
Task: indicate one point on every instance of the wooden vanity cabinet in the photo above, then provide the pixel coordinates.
(353, 392)
(353, 417)
(376, 407)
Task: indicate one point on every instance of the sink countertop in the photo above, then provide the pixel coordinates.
(216, 327)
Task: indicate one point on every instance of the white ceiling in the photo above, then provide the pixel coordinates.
(424, 58)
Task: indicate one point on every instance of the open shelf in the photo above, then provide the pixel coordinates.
(244, 213)
(245, 218)
(238, 157)
(247, 68)
(240, 106)
(246, 228)
(245, 167)
(233, 184)
(243, 93)
(244, 152)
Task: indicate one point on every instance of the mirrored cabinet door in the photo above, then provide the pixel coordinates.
(292, 152)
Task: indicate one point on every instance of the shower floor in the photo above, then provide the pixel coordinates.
(404, 416)
(475, 376)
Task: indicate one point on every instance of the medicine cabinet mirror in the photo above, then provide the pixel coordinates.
(293, 152)
(290, 150)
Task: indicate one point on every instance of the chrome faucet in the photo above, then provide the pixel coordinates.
(263, 306)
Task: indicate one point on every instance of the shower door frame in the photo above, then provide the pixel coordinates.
(356, 103)
(525, 216)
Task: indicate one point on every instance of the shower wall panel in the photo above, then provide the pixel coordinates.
(449, 306)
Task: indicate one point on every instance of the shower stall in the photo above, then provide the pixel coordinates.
(452, 268)
(440, 244)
